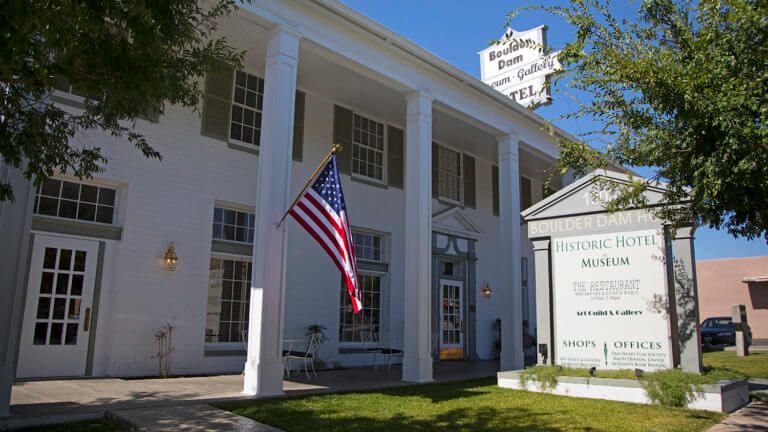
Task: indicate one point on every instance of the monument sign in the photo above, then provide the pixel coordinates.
(518, 68)
(613, 290)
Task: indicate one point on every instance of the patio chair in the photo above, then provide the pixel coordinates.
(371, 338)
(436, 352)
(306, 357)
(388, 351)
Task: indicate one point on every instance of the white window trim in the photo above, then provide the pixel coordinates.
(118, 207)
(383, 285)
(460, 202)
(384, 152)
(242, 208)
(222, 345)
(232, 102)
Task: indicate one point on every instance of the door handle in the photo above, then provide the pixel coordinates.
(87, 324)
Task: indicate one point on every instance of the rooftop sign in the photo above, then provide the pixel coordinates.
(518, 68)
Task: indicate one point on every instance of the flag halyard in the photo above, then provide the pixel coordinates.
(321, 210)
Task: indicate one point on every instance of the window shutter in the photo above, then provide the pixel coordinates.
(495, 188)
(342, 134)
(298, 127)
(217, 104)
(435, 175)
(395, 157)
(469, 182)
(525, 193)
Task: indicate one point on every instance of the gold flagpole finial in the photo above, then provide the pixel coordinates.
(336, 148)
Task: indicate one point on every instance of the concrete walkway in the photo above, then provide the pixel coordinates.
(191, 418)
(752, 418)
(41, 401)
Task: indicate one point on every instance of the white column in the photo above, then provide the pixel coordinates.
(263, 367)
(509, 219)
(417, 356)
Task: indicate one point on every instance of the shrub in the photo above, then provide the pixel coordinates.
(546, 376)
(672, 387)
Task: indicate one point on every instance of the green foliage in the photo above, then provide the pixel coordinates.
(671, 387)
(129, 59)
(545, 376)
(754, 365)
(476, 405)
(681, 88)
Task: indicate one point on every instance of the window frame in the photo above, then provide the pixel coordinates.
(462, 175)
(384, 151)
(238, 209)
(384, 283)
(256, 109)
(213, 346)
(117, 205)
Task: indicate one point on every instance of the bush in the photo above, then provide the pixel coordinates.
(546, 376)
(672, 387)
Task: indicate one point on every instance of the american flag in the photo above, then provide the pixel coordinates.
(323, 213)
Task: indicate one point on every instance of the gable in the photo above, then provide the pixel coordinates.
(577, 198)
(454, 222)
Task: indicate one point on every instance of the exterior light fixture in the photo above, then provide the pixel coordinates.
(170, 259)
(486, 290)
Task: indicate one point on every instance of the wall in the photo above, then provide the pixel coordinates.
(720, 286)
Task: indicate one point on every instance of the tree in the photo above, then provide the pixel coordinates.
(128, 59)
(682, 89)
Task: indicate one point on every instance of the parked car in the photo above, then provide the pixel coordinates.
(720, 331)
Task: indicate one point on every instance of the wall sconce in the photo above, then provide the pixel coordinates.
(486, 290)
(170, 259)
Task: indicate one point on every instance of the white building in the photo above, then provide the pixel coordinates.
(435, 168)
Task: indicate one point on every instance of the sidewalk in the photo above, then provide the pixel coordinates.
(49, 401)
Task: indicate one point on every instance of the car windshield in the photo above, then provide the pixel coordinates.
(717, 323)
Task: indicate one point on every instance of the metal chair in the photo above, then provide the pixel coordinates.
(369, 337)
(306, 357)
(387, 349)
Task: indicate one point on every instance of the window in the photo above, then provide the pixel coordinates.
(352, 324)
(226, 318)
(367, 148)
(367, 247)
(233, 225)
(526, 199)
(449, 174)
(78, 201)
(247, 103)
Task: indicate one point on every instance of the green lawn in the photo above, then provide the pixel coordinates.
(477, 405)
(98, 425)
(754, 365)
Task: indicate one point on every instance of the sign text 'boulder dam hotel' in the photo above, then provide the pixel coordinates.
(518, 68)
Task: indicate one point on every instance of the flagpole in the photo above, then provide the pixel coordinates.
(334, 149)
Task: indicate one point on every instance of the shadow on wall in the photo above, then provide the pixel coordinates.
(758, 294)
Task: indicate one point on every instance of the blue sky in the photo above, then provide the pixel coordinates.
(457, 30)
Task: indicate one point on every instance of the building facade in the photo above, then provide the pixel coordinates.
(726, 282)
(435, 168)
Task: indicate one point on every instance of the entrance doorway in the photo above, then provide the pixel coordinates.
(57, 314)
(451, 320)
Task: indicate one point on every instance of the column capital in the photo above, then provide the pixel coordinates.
(508, 145)
(419, 103)
(684, 232)
(283, 40)
(540, 244)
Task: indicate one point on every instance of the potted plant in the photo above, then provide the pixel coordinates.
(317, 331)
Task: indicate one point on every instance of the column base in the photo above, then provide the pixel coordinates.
(417, 369)
(263, 378)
